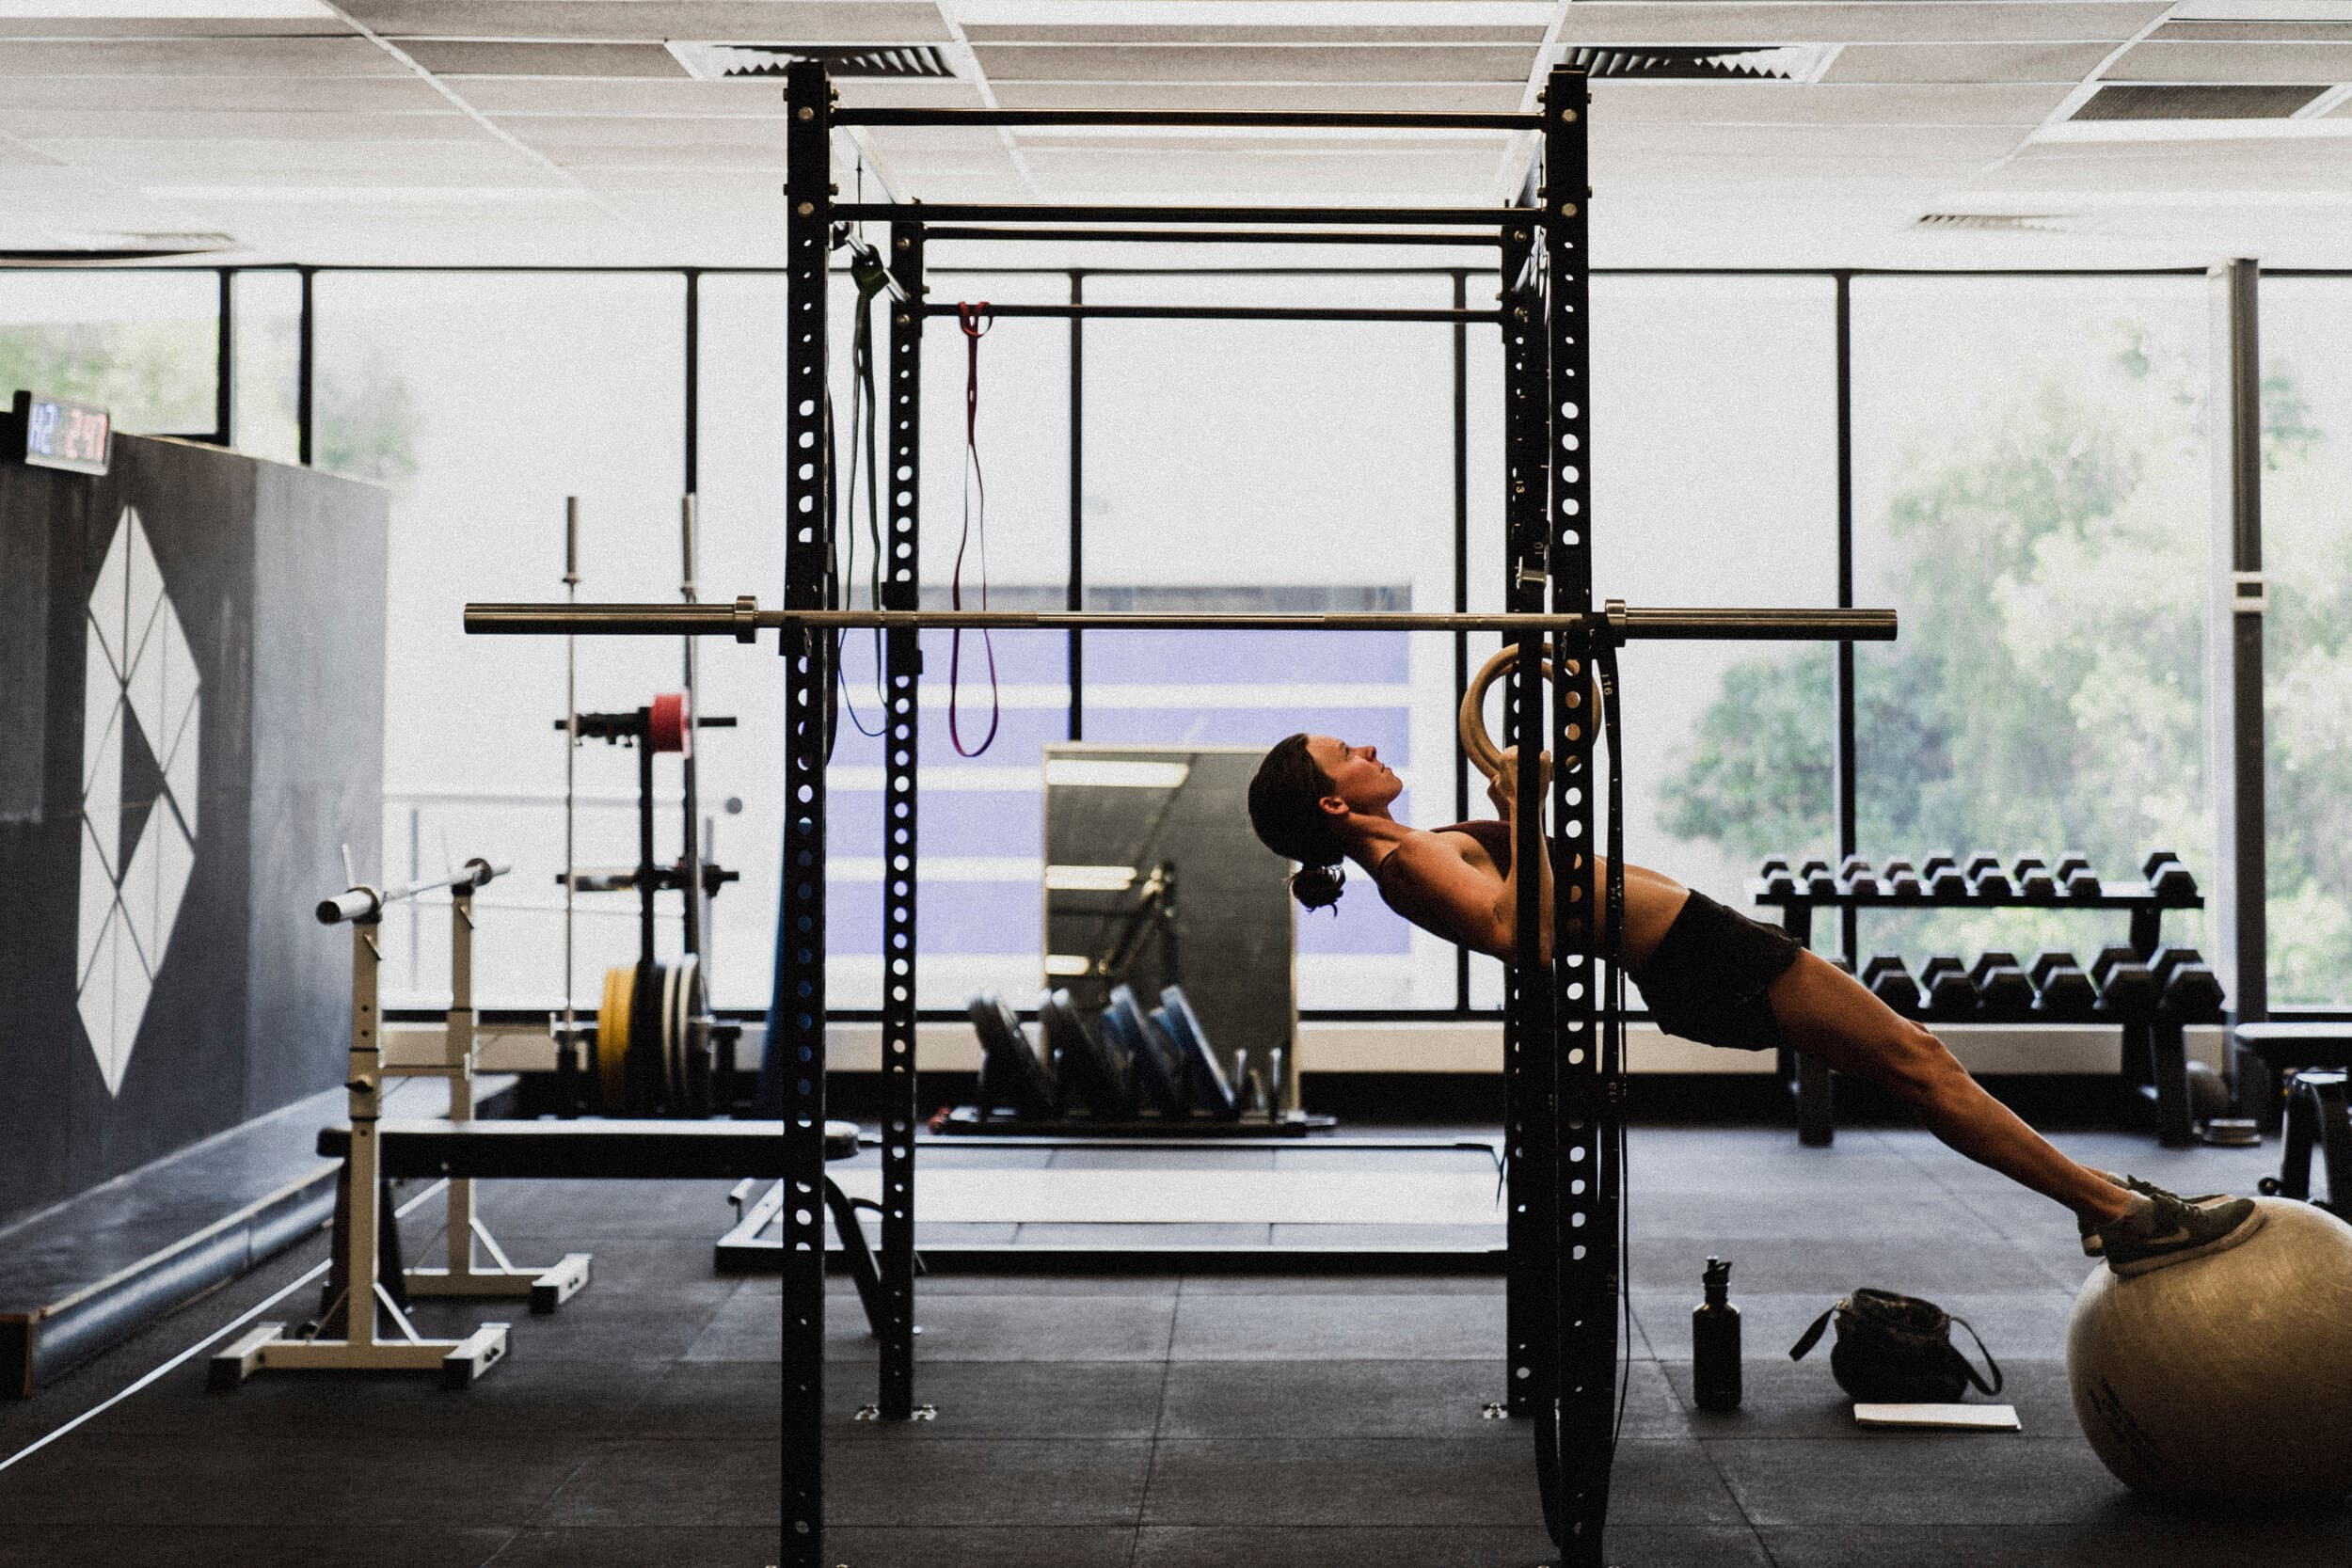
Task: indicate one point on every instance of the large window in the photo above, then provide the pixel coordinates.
(484, 400)
(2032, 493)
(144, 345)
(2307, 653)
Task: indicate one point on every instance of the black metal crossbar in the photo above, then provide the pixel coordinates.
(1228, 314)
(1174, 119)
(745, 618)
(993, 212)
(615, 1148)
(1212, 236)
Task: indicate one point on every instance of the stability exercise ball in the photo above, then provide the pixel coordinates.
(2227, 1378)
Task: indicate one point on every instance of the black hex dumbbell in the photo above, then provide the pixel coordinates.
(1886, 978)
(1946, 990)
(2127, 987)
(1779, 882)
(2173, 882)
(2186, 987)
(2074, 876)
(1856, 880)
(2003, 992)
(1986, 880)
(2033, 877)
(1901, 881)
(1815, 882)
(1943, 877)
(2063, 993)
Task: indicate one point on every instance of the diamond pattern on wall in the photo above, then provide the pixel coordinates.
(140, 738)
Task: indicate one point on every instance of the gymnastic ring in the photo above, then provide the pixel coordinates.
(1483, 753)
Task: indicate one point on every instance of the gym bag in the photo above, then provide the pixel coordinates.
(1897, 1350)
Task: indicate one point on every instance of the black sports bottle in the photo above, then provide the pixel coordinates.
(1715, 1342)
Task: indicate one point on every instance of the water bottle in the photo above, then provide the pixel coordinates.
(1715, 1342)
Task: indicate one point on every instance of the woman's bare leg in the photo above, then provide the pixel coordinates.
(1825, 1012)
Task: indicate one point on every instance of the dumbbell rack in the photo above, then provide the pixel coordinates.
(2158, 1048)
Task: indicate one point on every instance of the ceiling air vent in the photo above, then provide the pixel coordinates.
(737, 62)
(1705, 62)
(2196, 101)
(2006, 223)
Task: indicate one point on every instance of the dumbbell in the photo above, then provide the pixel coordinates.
(2187, 985)
(1886, 978)
(1943, 878)
(2033, 877)
(2063, 993)
(1773, 863)
(1855, 879)
(1946, 991)
(1815, 882)
(2075, 876)
(2003, 992)
(2167, 878)
(1986, 880)
(1901, 880)
(2127, 987)
(1779, 883)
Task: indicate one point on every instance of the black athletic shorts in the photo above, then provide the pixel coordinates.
(1707, 980)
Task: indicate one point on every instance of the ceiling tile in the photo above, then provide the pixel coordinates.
(2254, 32)
(712, 21)
(412, 162)
(406, 91)
(445, 58)
(1088, 63)
(1967, 62)
(1807, 144)
(1144, 34)
(1825, 104)
(1907, 22)
(2249, 63)
(214, 125)
(746, 157)
(279, 58)
(94, 27)
(648, 130)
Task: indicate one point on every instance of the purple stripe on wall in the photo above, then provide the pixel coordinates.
(1388, 728)
(1362, 925)
(949, 917)
(1022, 734)
(1151, 657)
(1023, 658)
(950, 822)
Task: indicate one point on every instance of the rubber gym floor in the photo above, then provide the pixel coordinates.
(1148, 1422)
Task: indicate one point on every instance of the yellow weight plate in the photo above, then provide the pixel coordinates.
(612, 1019)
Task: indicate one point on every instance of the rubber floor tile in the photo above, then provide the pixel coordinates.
(2126, 1535)
(1066, 1546)
(671, 1482)
(986, 1482)
(1041, 1400)
(1349, 1327)
(234, 1546)
(1336, 1546)
(710, 1398)
(1328, 1398)
(1021, 1328)
(667, 1546)
(1358, 1481)
(85, 1480)
(1921, 1478)
(1781, 1397)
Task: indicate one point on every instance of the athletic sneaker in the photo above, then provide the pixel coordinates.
(2090, 1231)
(2177, 1230)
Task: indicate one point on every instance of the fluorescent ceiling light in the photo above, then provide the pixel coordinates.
(1067, 964)
(1252, 13)
(1090, 879)
(1116, 775)
(161, 10)
(373, 195)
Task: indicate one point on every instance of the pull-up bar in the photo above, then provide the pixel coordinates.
(1213, 236)
(1236, 119)
(366, 903)
(745, 619)
(1229, 313)
(993, 212)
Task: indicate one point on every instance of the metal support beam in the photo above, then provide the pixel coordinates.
(1223, 313)
(2240, 597)
(990, 212)
(1232, 120)
(901, 590)
(1213, 236)
(792, 1074)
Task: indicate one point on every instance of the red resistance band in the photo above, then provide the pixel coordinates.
(977, 321)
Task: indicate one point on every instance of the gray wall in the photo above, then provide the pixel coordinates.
(275, 577)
